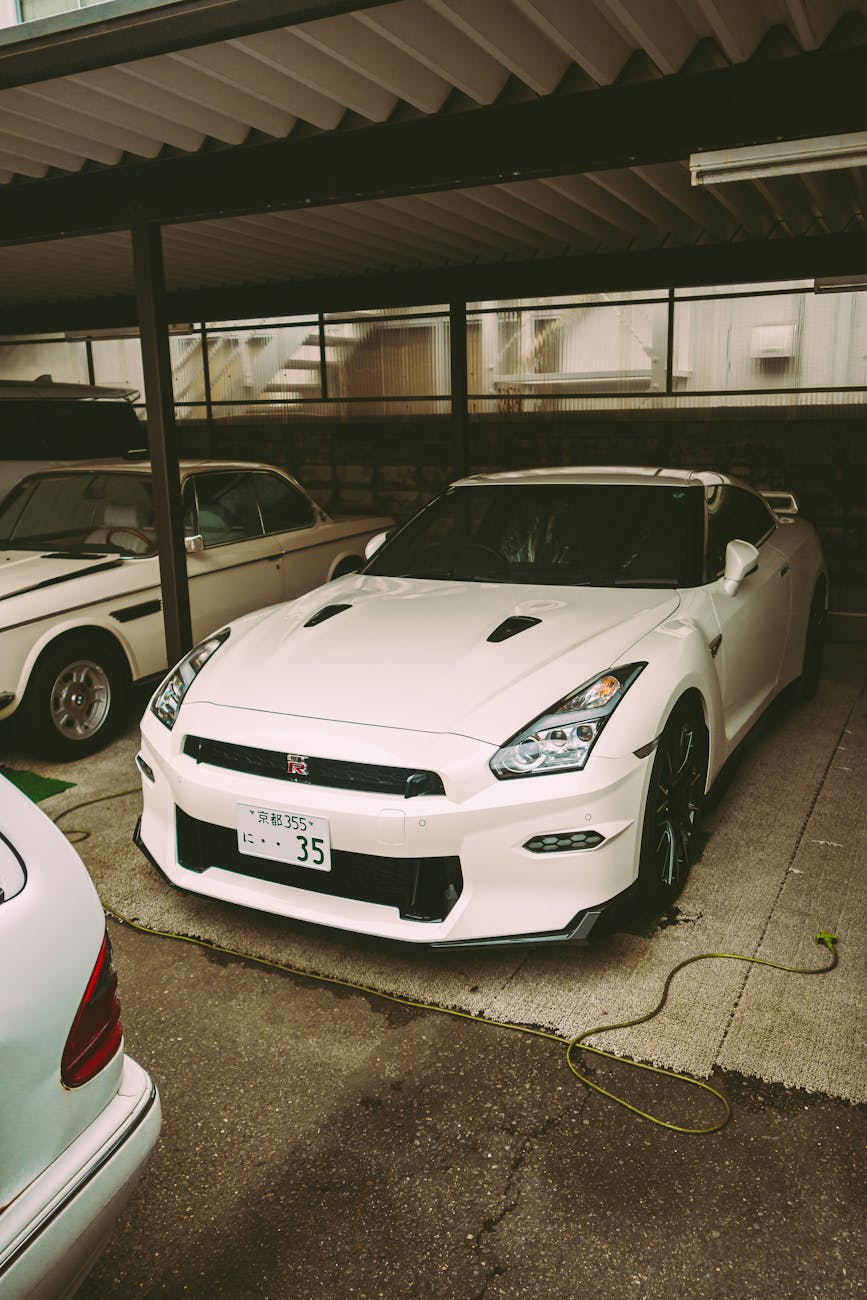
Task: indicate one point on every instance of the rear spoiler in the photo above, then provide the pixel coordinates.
(782, 503)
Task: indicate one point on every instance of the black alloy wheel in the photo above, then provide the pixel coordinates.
(674, 803)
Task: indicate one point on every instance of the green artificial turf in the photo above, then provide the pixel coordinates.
(36, 787)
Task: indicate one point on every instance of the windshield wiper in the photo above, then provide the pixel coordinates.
(647, 582)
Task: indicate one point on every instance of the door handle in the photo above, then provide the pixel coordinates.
(785, 570)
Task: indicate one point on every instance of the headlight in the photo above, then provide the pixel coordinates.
(170, 696)
(561, 739)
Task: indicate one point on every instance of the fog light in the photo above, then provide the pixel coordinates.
(564, 842)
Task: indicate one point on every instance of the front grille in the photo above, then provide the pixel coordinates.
(407, 782)
(422, 889)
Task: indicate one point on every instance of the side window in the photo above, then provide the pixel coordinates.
(283, 507)
(228, 510)
(733, 513)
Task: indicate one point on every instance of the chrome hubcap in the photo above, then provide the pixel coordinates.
(80, 699)
(678, 803)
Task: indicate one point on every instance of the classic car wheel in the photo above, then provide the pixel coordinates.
(674, 802)
(811, 669)
(74, 698)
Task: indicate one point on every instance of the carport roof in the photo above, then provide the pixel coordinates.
(331, 154)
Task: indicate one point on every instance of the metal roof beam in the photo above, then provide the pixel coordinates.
(759, 261)
(616, 126)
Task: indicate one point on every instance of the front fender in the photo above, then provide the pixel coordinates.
(679, 661)
(20, 648)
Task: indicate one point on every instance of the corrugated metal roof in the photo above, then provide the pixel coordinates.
(407, 60)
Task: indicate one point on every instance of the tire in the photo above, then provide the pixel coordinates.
(811, 669)
(75, 698)
(674, 802)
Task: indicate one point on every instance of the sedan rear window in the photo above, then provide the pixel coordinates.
(574, 534)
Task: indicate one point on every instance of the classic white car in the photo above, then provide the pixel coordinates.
(78, 1117)
(80, 607)
(507, 721)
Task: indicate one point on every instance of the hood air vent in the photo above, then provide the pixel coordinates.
(328, 612)
(512, 626)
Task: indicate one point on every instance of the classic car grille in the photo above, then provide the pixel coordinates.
(422, 889)
(404, 781)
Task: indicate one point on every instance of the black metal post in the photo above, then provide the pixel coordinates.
(162, 435)
(460, 408)
(206, 377)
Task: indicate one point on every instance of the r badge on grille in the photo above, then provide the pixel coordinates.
(296, 764)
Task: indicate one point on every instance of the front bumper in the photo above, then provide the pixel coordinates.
(584, 826)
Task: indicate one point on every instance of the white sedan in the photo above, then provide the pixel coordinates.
(504, 724)
(80, 584)
(78, 1117)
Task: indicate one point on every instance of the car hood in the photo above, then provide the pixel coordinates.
(415, 654)
(24, 571)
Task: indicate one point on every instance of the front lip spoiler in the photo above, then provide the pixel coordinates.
(578, 930)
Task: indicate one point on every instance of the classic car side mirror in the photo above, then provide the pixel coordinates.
(374, 544)
(742, 559)
(194, 542)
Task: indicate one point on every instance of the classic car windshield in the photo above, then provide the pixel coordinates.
(72, 513)
(567, 534)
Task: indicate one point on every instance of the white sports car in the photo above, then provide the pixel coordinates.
(507, 721)
(78, 1117)
(80, 601)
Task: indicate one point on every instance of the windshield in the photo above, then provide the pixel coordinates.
(80, 513)
(558, 534)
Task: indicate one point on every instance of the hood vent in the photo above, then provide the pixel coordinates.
(328, 612)
(512, 626)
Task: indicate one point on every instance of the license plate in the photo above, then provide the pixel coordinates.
(296, 838)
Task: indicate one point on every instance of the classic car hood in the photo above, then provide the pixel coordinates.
(416, 654)
(23, 571)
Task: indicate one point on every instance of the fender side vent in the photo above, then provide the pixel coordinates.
(512, 626)
(328, 612)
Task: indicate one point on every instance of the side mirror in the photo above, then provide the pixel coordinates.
(195, 542)
(742, 559)
(374, 544)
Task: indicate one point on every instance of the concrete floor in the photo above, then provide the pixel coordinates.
(321, 1143)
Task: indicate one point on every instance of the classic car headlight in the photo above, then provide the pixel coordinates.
(170, 695)
(561, 739)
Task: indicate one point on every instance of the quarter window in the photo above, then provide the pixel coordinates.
(284, 507)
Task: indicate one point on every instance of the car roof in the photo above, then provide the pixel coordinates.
(121, 465)
(598, 474)
(44, 389)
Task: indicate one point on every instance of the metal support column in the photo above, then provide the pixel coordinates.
(460, 408)
(162, 435)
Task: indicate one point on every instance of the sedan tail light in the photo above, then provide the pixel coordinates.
(96, 1032)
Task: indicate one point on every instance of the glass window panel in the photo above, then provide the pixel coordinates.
(544, 352)
(721, 290)
(61, 361)
(117, 362)
(388, 358)
(265, 364)
(568, 300)
(367, 313)
(268, 323)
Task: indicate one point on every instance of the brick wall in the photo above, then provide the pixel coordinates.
(393, 466)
